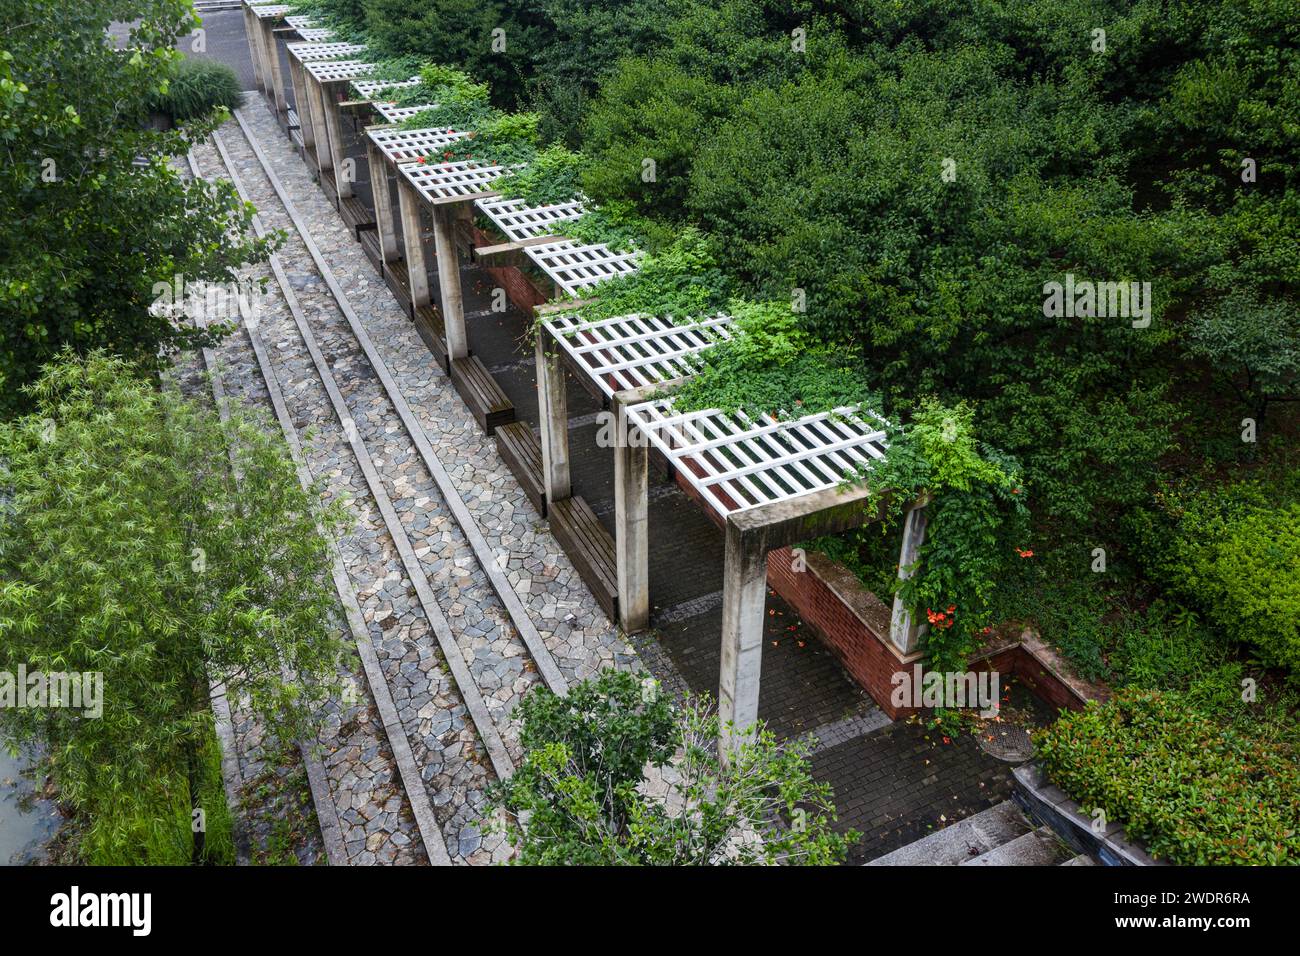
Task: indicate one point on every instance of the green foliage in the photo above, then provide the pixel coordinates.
(550, 178)
(196, 88)
(614, 225)
(86, 234)
(771, 367)
(1235, 554)
(128, 549)
(506, 139)
(1256, 342)
(977, 518)
(577, 797)
(459, 102)
(1193, 791)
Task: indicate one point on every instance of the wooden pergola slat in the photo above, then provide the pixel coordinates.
(410, 145)
(575, 267)
(519, 221)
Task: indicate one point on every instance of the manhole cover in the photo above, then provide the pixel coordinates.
(1007, 742)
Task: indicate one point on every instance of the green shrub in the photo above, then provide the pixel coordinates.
(196, 88)
(1231, 552)
(1192, 790)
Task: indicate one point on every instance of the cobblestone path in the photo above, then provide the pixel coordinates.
(453, 762)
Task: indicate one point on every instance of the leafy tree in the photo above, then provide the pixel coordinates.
(1256, 343)
(87, 231)
(128, 548)
(585, 793)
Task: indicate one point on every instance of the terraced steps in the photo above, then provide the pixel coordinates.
(998, 836)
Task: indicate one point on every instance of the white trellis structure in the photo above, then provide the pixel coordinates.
(321, 70)
(260, 22)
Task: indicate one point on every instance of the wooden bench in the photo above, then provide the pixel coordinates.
(370, 246)
(522, 453)
(357, 216)
(590, 547)
(487, 403)
(399, 282)
(428, 323)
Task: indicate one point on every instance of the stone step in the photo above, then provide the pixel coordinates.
(1081, 860)
(962, 842)
(1036, 848)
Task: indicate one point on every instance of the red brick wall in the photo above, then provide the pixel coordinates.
(864, 655)
(519, 290)
(872, 662)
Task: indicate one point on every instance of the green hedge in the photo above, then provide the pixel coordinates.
(198, 87)
(1192, 790)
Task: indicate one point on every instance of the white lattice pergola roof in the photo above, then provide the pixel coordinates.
(449, 181)
(409, 145)
(396, 114)
(331, 71)
(736, 463)
(369, 89)
(575, 267)
(312, 52)
(273, 11)
(299, 22)
(519, 221)
(635, 351)
(313, 34)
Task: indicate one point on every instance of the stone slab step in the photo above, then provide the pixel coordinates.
(1081, 860)
(963, 841)
(1037, 848)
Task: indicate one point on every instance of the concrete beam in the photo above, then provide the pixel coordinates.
(254, 49)
(273, 58)
(811, 516)
(338, 156)
(320, 131)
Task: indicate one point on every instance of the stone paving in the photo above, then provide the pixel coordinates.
(376, 823)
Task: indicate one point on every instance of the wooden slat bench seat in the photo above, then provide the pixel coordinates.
(522, 453)
(428, 323)
(489, 405)
(589, 546)
(357, 216)
(370, 245)
(400, 283)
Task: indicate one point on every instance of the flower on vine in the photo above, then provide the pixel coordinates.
(1024, 553)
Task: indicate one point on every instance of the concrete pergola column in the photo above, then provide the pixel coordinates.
(453, 303)
(632, 523)
(413, 242)
(320, 130)
(904, 631)
(250, 34)
(302, 100)
(750, 535)
(384, 223)
(335, 131)
(273, 63)
(553, 412)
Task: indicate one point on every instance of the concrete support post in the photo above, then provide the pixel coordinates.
(343, 171)
(302, 103)
(904, 631)
(413, 243)
(631, 524)
(744, 592)
(254, 49)
(553, 412)
(384, 223)
(453, 304)
(273, 63)
(320, 131)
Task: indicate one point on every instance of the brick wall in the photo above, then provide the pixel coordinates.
(854, 625)
(519, 290)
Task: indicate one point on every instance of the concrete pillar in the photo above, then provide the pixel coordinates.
(320, 130)
(337, 154)
(254, 51)
(553, 412)
(453, 303)
(632, 525)
(273, 62)
(744, 592)
(384, 223)
(412, 241)
(302, 102)
(904, 631)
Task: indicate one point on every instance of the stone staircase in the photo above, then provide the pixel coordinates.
(998, 836)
